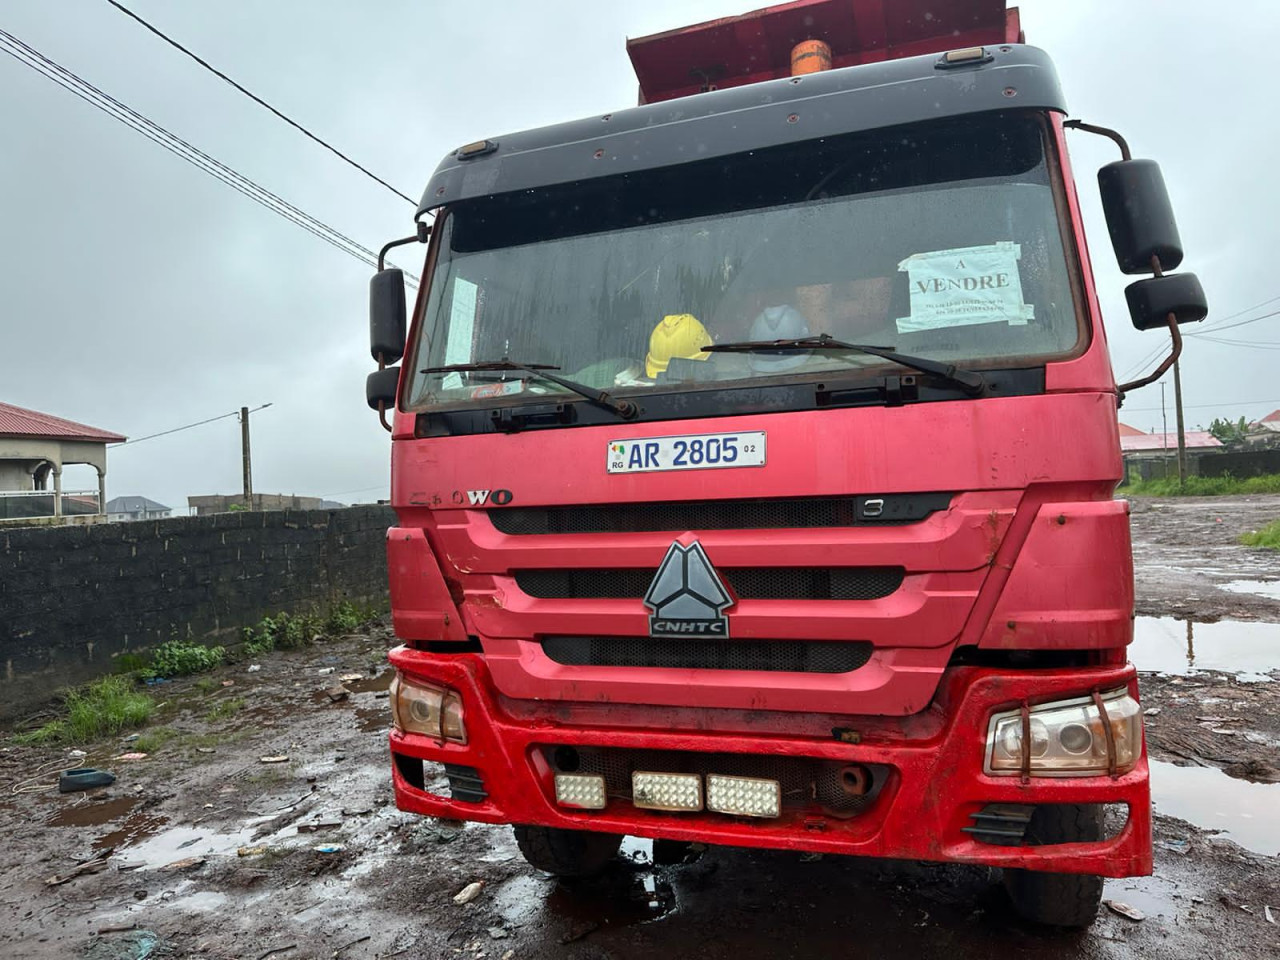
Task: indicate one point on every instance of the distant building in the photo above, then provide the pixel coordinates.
(226, 503)
(34, 447)
(136, 508)
(1139, 444)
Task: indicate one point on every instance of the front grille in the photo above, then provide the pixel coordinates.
(789, 656)
(747, 583)
(720, 514)
(805, 782)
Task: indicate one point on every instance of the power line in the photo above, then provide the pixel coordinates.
(1230, 326)
(258, 100)
(51, 70)
(1204, 406)
(165, 433)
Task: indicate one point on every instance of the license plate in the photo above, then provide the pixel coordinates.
(704, 451)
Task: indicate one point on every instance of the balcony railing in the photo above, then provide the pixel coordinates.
(29, 504)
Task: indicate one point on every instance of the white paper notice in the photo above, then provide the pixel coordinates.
(462, 324)
(954, 288)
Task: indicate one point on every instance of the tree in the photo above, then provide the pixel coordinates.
(1229, 433)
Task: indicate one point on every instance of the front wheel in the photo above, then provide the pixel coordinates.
(567, 853)
(1058, 899)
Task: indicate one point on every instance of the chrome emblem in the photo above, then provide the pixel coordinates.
(687, 597)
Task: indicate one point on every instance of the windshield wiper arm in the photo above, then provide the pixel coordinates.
(970, 381)
(623, 408)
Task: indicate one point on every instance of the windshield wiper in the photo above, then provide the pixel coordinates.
(971, 382)
(623, 408)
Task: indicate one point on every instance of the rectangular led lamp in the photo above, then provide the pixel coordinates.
(666, 791)
(743, 796)
(580, 790)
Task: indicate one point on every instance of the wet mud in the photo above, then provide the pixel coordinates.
(220, 855)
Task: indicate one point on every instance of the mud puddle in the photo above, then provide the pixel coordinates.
(1270, 589)
(372, 684)
(92, 814)
(1165, 645)
(372, 719)
(1205, 796)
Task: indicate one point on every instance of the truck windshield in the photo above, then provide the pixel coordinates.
(942, 241)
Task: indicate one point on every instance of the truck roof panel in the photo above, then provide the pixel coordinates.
(753, 117)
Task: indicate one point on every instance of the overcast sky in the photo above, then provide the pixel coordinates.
(139, 294)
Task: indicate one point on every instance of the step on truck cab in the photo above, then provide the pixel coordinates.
(753, 454)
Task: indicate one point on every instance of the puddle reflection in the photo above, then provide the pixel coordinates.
(1211, 800)
(1166, 645)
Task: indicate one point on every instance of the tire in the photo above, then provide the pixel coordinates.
(567, 853)
(1058, 899)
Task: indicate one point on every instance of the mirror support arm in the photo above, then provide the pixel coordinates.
(424, 231)
(1102, 132)
(1175, 335)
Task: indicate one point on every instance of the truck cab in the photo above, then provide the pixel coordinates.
(754, 453)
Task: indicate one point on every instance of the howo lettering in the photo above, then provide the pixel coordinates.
(792, 391)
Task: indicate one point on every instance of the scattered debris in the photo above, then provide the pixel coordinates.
(251, 851)
(228, 683)
(205, 750)
(329, 848)
(1268, 914)
(132, 756)
(132, 945)
(1125, 910)
(281, 758)
(325, 671)
(190, 863)
(352, 943)
(76, 754)
(442, 831)
(84, 778)
(255, 667)
(274, 950)
(1152, 712)
(810, 857)
(498, 933)
(356, 811)
(312, 826)
(469, 892)
(118, 927)
(337, 693)
(93, 865)
(1176, 846)
(350, 677)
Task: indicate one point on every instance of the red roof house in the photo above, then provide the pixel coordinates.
(35, 446)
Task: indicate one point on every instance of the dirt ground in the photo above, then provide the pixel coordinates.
(331, 869)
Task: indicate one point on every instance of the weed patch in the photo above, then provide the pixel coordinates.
(177, 658)
(98, 709)
(224, 709)
(153, 740)
(290, 631)
(1268, 536)
(1203, 486)
(206, 685)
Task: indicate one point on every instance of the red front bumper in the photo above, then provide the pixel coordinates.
(935, 780)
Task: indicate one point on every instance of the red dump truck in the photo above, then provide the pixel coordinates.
(754, 455)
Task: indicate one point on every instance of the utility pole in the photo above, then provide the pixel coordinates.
(1164, 430)
(246, 459)
(1182, 433)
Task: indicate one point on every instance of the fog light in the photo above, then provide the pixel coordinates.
(744, 796)
(1068, 738)
(666, 791)
(429, 710)
(584, 791)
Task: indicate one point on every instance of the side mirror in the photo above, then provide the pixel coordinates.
(1153, 299)
(381, 387)
(387, 315)
(1139, 216)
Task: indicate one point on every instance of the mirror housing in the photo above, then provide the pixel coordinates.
(1153, 299)
(387, 315)
(381, 386)
(1139, 216)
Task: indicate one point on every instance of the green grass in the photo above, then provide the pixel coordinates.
(290, 631)
(98, 709)
(224, 709)
(207, 685)
(1268, 536)
(153, 740)
(1203, 486)
(178, 658)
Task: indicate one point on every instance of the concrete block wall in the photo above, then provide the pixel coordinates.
(73, 598)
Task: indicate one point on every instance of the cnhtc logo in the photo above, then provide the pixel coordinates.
(687, 597)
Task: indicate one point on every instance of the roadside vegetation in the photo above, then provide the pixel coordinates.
(99, 709)
(1268, 536)
(110, 705)
(1202, 486)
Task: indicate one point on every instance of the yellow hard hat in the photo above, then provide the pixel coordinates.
(678, 335)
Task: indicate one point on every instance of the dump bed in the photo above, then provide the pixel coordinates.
(757, 46)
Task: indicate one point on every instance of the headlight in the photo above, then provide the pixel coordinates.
(1068, 738)
(422, 708)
